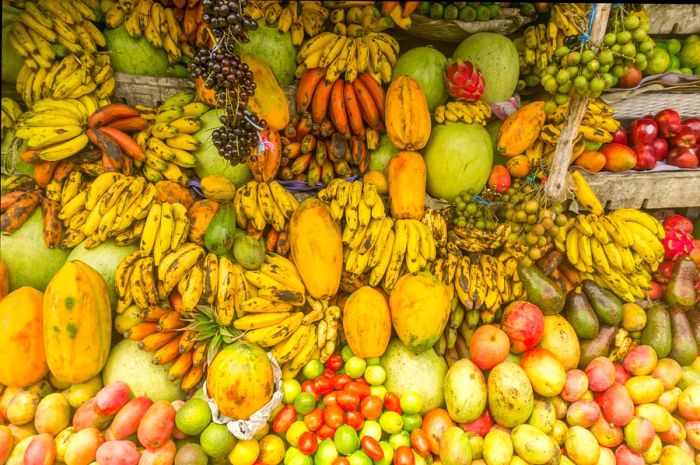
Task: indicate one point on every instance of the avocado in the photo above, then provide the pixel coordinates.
(657, 332)
(694, 319)
(606, 304)
(541, 290)
(579, 313)
(599, 346)
(680, 290)
(684, 348)
(221, 231)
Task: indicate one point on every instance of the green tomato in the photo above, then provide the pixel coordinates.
(346, 440)
(346, 353)
(291, 455)
(388, 454)
(372, 429)
(418, 460)
(403, 438)
(376, 360)
(411, 421)
(295, 431)
(290, 389)
(313, 369)
(326, 453)
(375, 375)
(391, 422)
(359, 457)
(304, 403)
(379, 391)
(355, 367)
(411, 402)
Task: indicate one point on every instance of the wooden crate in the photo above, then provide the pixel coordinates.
(146, 90)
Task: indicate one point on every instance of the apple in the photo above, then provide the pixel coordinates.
(646, 157)
(631, 78)
(669, 122)
(660, 147)
(682, 157)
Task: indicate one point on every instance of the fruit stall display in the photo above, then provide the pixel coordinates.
(261, 233)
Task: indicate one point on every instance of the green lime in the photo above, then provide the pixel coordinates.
(673, 46)
(662, 45)
(346, 353)
(686, 70)
(313, 369)
(411, 402)
(191, 454)
(411, 422)
(391, 422)
(217, 441)
(674, 63)
(304, 403)
(290, 389)
(355, 367)
(193, 417)
(696, 71)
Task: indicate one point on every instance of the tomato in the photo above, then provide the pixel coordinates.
(371, 407)
(346, 440)
(340, 381)
(323, 385)
(308, 386)
(392, 402)
(404, 456)
(354, 419)
(284, 419)
(308, 443)
(328, 373)
(330, 399)
(348, 400)
(420, 442)
(325, 432)
(362, 390)
(304, 403)
(411, 422)
(341, 461)
(362, 380)
(333, 416)
(314, 420)
(334, 362)
(372, 448)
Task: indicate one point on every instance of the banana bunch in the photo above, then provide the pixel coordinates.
(150, 19)
(458, 347)
(621, 344)
(356, 201)
(168, 143)
(258, 204)
(478, 240)
(301, 19)
(597, 125)
(437, 224)
(55, 128)
(167, 226)
(357, 19)
(375, 53)
(466, 112)
(112, 206)
(11, 111)
(448, 338)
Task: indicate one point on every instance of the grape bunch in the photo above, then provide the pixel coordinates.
(226, 19)
(627, 37)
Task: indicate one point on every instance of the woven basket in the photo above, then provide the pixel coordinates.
(145, 90)
(442, 30)
(687, 104)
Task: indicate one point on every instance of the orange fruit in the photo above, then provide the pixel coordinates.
(518, 166)
(592, 160)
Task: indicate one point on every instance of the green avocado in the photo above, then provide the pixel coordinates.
(606, 304)
(657, 332)
(599, 346)
(541, 290)
(221, 231)
(579, 313)
(680, 290)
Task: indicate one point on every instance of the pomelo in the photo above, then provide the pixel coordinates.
(458, 157)
(29, 261)
(135, 56)
(128, 363)
(497, 58)
(209, 162)
(105, 259)
(380, 156)
(427, 66)
(275, 48)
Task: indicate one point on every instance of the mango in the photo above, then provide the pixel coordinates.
(626, 456)
(669, 399)
(87, 416)
(545, 371)
(532, 444)
(543, 416)
(601, 374)
(644, 389)
(575, 387)
(41, 450)
(607, 457)
(82, 447)
(653, 453)
(498, 447)
(5, 443)
(558, 433)
(79, 393)
(62, 443)
(164, 455)
(676, 435)
(117, 453)
(156, 425)
(607, 434)
(674, 455)
(617, 406)
(640, 360)
(17, 455)
(583, 412)
(689, 403)
(22, 408)
(455, 448)
(581, 446)
(639, 434)
(52, 414)
(465, 391)
(634, 318)
(668, 371)
(657, 415)
(561, 340)
(510, 396)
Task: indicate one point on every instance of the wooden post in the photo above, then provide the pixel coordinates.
(556, 184)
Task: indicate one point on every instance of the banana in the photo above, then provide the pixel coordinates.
(136, 287)
(270, 336)
(581, 223)
(613, 255)
(412, 246)
(614, 229)
(585, 194)
(290, 347)
(271, 213)
(599, 258)
(648, 237)
(645, 219)
(397, 255)
(122, 274)
(148, 280)
(226, 286)
(194, 289)
(263, 305)
(150, 236)
(183, 142)
(584, 250)
(211, 278)
(181, 227)
(304, 354)
(285, 201)
(260, 320)
(177, 263)
(165, 232)
(572, 250)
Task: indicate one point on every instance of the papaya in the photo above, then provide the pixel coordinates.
(77, 323)
(201, 213)
(264, 165)
(22, 338)
(521, 129)
(316, 248)
(420, 307)
(657, 332)
(406, 114)
(541, 290)
(269, 101)
(367, 322)
(406, 174)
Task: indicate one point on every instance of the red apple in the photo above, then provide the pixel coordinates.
(618, 157)
(646, 157)
(656, 292)
(620, 136)
(643, 131)
(684, 138)
(663, 273)
(660, 147)
(669, 122)
(694, 124)
(682, 157)
(631, 77)
(523, 322)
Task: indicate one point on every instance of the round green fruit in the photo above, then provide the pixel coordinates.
(209, 162)
(275, 48)
(690, 55)
(135, 56)
(427, 66)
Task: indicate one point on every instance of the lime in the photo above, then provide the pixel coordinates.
(372, 429)
(375, 375)
(696, 71)
(191, 454)
(411, 402)
(662, 45)
(675, 63)
(290, 389)
(373, 361)
(411, 422)
(304, 403)
(355, 367)
(193, 417)
(313, 369)
(686, 70)
(391, 422)
(402, 438)
(673, 46)
(217, 441)
(346, 353)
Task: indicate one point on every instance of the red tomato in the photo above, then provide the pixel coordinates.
(420, 442)
(330, 399)
(372, 448)
(325, 431)
(391, 402)
(334, 362)
(307, 443)
(404, 456)
(348, 400)
(362, 390)
(314, 420)
(341, 461)
(340, 381)
(329, 373)
(308, 386)
(371, 407)
(354, 419)
(333, 416)
(284, 419)
(323, 385)
(362, 381)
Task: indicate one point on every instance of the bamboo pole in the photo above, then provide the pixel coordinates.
(556, 183)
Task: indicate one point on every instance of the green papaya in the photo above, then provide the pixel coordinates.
(606, 305)
(680, 290)
(541, 290)
(220, 233)
(599, 346)
(657, 332)
(684, 348)
(579, 313)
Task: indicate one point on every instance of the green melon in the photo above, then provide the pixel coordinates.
(276, 49)
(135, 56)
(497, 58)
(427, 66)
(209, 162)
(458, 157)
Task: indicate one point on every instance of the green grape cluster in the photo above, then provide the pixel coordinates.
(627, 37)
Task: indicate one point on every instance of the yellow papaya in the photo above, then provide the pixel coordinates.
(521, 129)
(269, 101)
(406, 173)
(316, 248)
(406, 115)
(367, 322)
(77, 323)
